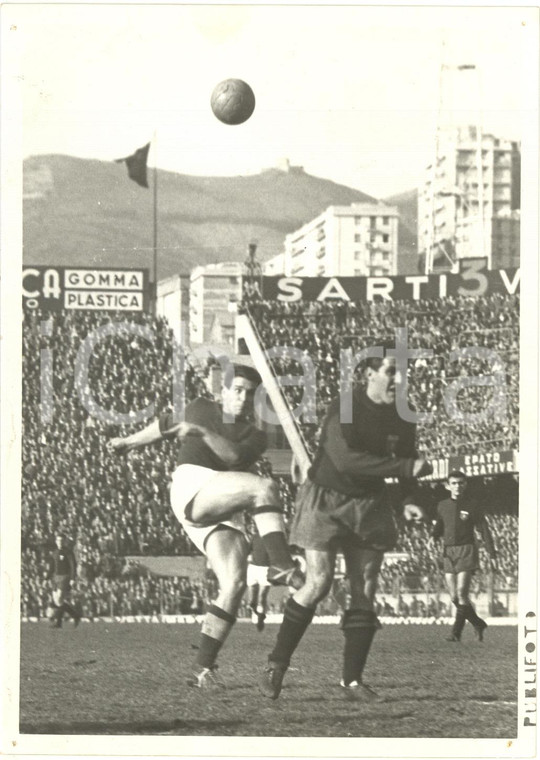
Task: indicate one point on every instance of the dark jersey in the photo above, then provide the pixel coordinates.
(63, 562)
(355, 457)
(250, 440)
(456, 521)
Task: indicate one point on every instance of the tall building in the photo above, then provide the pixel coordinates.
(173, 303)
(214, 291)
(360, 240)
(474, 182)
(505, 240)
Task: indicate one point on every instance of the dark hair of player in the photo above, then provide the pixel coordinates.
(241, 370)
(457, 474)
(374, 362)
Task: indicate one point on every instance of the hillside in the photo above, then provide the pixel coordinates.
(87, 212)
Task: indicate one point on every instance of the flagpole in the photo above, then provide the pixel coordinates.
(155, 236)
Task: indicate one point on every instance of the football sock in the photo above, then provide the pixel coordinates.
(70, 609)
(57, 615)
(269, 522)
(459, 622)
(470, 614)
(254, 597)
(216, 627)
(359, 628)
(296, 619)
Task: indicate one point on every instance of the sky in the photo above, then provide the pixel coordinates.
(351, 93)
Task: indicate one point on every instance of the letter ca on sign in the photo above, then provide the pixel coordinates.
(40, 283)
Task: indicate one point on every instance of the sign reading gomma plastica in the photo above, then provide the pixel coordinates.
(56, 288)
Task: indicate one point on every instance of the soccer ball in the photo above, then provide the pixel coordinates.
(233, 101)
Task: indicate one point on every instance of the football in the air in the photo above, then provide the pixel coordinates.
(233, 101)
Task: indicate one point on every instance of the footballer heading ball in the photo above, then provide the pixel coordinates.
(233, 101)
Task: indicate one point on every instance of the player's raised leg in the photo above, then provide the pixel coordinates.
(227, 551)
(360, 622)
(230, 492)
(297, 616)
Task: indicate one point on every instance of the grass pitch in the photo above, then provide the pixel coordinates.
(114, 678)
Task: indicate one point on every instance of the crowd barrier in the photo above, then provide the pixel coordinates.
(276, 619)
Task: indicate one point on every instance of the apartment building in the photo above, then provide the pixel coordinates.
(360, 240)
(474, 182)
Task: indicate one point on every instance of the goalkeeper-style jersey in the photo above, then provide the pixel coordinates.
(209, 414)
(456, 521)
(355, 457)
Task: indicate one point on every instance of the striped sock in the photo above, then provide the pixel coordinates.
(359, 628)
(70, 609)
(216, 627)
(470, 614)
(296, 619)
(460, 619)
(269, 522)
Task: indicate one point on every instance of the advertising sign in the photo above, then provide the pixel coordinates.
(83, 289)
(474, 280)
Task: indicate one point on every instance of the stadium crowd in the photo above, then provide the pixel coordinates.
(72, 484)
(321, 330)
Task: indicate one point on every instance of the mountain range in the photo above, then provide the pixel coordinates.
(88, 213)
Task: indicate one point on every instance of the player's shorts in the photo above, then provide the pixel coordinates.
(187, 481)
(256, 575)
(457, 559)
(326, 519)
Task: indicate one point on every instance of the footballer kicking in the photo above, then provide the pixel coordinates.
(211, 488)
(343, 505)
(456, 520)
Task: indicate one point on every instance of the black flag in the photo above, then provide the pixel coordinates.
(136, 165)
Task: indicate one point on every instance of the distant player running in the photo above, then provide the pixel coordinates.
(457, 517)
(210, 490)
(343, 504)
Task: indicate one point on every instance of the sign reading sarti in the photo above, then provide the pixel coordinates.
(55, 288)
(474, 280)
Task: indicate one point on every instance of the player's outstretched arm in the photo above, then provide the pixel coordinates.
(421, 468)
(230, 452)
(144, 437)
(358, 462)
(483, 527)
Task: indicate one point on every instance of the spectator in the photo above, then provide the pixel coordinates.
(69, 484)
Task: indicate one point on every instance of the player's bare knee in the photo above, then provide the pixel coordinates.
(266, 492)
(318, 585)
(234, 586)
